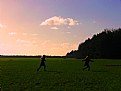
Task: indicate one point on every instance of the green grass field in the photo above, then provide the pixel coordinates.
(19, 74)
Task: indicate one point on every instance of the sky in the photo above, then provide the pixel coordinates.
(53, 27)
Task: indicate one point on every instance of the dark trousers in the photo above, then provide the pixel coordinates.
(86, 66)
(41, 66)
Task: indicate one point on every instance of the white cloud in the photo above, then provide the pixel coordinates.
(54, 28)
(12, 33)
(58, 20)
(33, 34)
(2, 26)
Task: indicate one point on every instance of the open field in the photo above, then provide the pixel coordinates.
(19, 74)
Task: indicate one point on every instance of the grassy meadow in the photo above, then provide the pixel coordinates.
(19, 74)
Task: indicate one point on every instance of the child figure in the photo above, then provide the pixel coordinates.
(86, 65)
(42, 63)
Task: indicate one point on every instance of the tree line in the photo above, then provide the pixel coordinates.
(106, 44)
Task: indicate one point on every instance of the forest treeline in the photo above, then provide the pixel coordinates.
(106, 44)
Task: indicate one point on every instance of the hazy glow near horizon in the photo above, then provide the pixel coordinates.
(53, 27)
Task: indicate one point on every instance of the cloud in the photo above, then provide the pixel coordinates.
(68, 46)
(46, 42)
(12, 33)
(94, 22)
(22, 41)
(58, 20)
(62, 48)
(54, 28)
(2, 26)
(35, 34)
(24, 34)
(68, 32)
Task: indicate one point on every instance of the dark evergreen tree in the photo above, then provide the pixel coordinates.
(106, 44)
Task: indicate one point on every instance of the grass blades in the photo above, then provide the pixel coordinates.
(19, 74)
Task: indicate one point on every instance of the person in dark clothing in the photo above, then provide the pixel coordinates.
(87, 61)
(42, 63)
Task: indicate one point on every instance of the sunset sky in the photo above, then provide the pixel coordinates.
(53, 27)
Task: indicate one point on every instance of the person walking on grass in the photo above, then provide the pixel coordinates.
(42, 63)
(87, 61)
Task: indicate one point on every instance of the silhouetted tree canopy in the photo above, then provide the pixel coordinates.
(106, 44)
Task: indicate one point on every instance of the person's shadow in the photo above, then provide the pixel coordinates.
(54, 71)
(100, 71)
